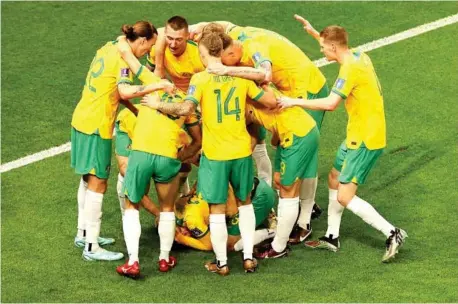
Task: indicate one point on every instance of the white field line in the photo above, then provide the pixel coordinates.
(24, 161)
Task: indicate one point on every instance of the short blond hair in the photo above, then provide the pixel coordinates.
(336, 34)
(213, 43)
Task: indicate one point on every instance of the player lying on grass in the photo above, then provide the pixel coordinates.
(109, 81)
(358, 85)
(178, 57)
(226, 156)
(193, 218)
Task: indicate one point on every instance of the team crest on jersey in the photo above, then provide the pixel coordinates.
(191, 89)
(256, 57)
(124, 72)
(340, 83)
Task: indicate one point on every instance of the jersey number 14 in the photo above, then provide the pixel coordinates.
(236, 111)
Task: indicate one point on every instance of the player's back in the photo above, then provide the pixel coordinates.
(364, 102)
(99, 102)
(159, 133)
(181, 68)
(292, 70)
(127, 121)
(285, 123)
(223, 100)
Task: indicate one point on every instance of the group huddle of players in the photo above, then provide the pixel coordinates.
(210, 92)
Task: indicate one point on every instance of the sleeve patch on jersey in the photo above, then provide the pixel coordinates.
(256, 57)
(340, 83)
(125, 72)
(191, 89)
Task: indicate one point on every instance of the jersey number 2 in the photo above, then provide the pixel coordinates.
(227, 100)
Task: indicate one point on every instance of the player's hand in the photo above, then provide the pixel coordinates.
(195, 32)
(285, 102)
(217, 69)
(151, 100)
(122, 45)
(168, 87)
(306, 25)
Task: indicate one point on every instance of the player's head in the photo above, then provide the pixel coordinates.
(210, 45)
(210, 28)
(141, 37)
(232, 50)
(333, 39)
(176, 34)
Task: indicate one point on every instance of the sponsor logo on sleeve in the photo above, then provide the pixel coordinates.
(125, 72)
(340, 83)
(191, 89)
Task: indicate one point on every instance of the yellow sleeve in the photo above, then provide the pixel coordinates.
(146, 76)
(123, 73)
(254, 92)
(199, 244)
(150, 57)
(345, 82)
(195, 90)
(259, 53)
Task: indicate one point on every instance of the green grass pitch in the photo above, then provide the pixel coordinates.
(46, 49)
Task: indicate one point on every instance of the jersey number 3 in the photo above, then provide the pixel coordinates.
(227, 100)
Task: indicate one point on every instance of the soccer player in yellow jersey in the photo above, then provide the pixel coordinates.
(124, 127)
(154, 155)
(295, 133)
(358, 85)
(107, 83)
(175, 54)
(226, 148)
(193, 218)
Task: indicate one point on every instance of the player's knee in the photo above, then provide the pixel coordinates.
(333, 178)
(131, 205)
(343, 198)
(96, 184)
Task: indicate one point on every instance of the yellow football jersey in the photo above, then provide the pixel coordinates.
(181, 69)
(293, 73)
(127, 121)
(284, 123)
(96, 110)
(222, 101)
(358, 83)
(159, 133)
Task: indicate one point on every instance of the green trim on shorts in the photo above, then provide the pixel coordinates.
(122, 142)
(90, 154)
(263, 202)
(300, 160)
(214, 177)
(318, 115)
(143, 166)
(357, 164)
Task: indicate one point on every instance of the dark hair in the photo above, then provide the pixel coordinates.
(139, 29)
(213, 43)
(177, 23)
(336, 34)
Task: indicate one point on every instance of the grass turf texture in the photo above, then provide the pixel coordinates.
(412, 184)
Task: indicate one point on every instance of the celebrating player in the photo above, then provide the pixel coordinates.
(358, 84)
(108, 82)
(194, 232)
(226, 148)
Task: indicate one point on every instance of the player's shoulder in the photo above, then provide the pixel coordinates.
(201, 77)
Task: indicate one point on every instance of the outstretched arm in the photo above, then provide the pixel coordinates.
(180, 109)
(308, 27)
(329, 103)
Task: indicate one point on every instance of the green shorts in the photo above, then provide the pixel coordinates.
(214, 177)
(300, 160)
(262, 133)
(142, 167)
(90, 154)
(354, 165)
(122, 142)
(263, 199)
(318, 115)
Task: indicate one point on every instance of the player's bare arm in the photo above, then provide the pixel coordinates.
(195, 30)
(181, 109)
(308, 27)
(268, 99)
(329, 103)
(130, 106)
(196, 144)
(127, 91)
(159, 52)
